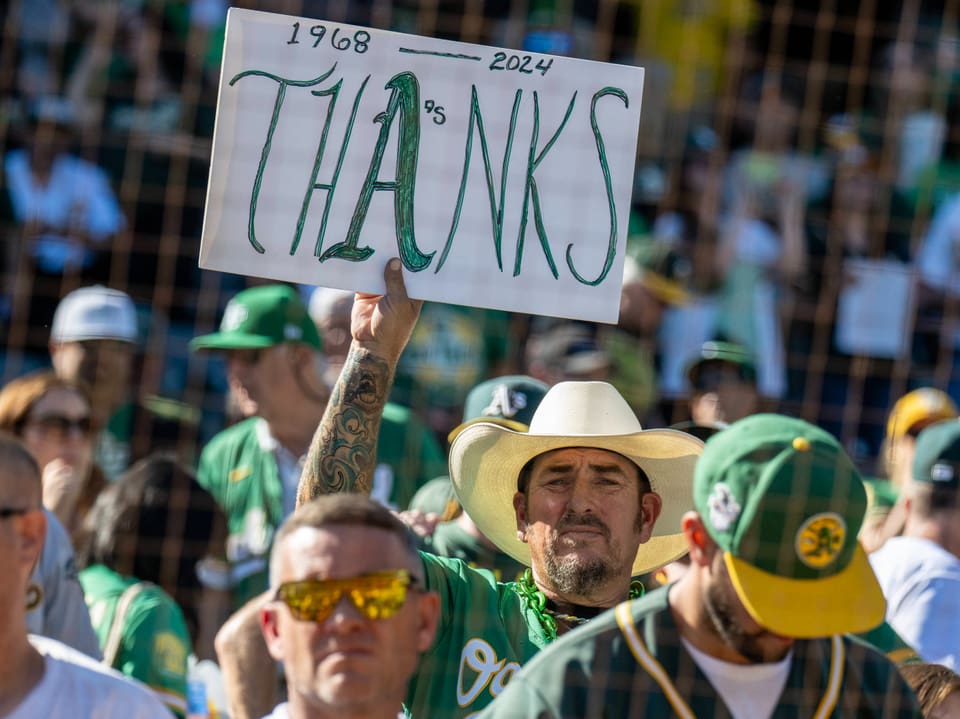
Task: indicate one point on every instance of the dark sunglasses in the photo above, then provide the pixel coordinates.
(61, 424)
(379, 595)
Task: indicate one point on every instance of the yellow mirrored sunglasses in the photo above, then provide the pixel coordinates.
(378, 595)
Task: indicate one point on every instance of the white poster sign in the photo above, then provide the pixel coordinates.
(875, 308)
(500, 178)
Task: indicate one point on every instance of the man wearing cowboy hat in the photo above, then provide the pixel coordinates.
(586, 498)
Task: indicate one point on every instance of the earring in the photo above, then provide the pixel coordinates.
(34, 596)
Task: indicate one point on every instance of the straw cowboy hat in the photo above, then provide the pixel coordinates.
(486, 459)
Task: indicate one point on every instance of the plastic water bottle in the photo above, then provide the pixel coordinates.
(197, 707)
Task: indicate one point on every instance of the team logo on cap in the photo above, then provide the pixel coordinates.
(723, 506)
(504, 403)
(941, 472)
(233, 316)
(820, 539)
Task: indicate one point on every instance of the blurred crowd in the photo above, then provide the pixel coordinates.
(794, 247)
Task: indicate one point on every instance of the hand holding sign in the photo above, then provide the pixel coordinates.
(500, 179)
(382, 324)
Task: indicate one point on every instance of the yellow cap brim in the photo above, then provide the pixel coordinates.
(847, 602)
(669, 292)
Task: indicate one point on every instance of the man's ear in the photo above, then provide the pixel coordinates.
(699, 543)
(33, 533)
(270, 628)
(520, 509)
(651, 504)
(428, 616)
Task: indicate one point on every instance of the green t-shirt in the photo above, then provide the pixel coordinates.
(112, 448)
(449, 539)
(243, 478)
(154, 643)
(484, 635)
(625, 663)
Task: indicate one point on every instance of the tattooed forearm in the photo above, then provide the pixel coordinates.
(343, 452)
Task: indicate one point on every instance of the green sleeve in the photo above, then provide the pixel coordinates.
(885, 639)
(155, 647)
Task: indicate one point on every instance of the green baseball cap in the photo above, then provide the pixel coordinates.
(936, 459)
(436, 497)
(262, 317)
(509, 401)
(784, 503)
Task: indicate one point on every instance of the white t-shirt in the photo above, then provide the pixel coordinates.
(750, 691)
(62, 614)
(281, 711)
(74, 686)
(921, 583)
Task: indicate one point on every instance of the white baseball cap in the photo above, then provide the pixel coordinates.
(95, 313)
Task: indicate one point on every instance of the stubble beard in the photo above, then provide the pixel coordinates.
(718, 608)
(575, 576)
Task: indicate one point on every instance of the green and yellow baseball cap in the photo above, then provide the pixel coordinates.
(918, 409)
(509, 401)
(784, 503)
(936, 460)
(262, 317)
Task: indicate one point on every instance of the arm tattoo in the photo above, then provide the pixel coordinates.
(343, 452)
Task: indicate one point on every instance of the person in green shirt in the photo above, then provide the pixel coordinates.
(145, 536)
(760, 624)
(275, 369)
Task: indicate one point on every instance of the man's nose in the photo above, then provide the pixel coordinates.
(580, 498)
(345, 615)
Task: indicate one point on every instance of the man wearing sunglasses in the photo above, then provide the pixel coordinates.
(348, 615)
(42, 677)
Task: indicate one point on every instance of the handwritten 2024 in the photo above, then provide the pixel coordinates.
(403, 108)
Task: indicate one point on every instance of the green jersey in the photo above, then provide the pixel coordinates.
(449, 539)
(630, 662)
(242, 475)
(154, 643)
(485, 633)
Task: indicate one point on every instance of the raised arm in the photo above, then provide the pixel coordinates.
(343, 452)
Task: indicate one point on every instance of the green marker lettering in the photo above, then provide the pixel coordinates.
(282, 84)
(608, 184)
(405, 102)
(496, 207)
(531, 191)
(332, 185)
